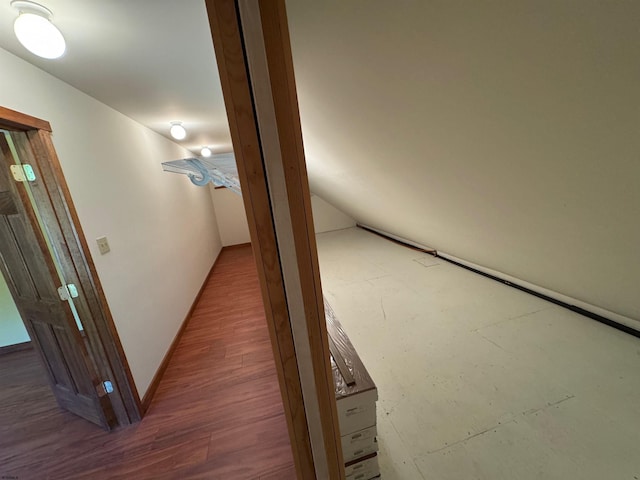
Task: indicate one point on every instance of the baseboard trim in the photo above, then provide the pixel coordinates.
(612, 319)
(399, 240)
(607, 317)
(18, 347)
(237, 245)
(145, 403)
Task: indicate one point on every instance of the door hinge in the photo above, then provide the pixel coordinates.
(104, 388)
(23, 173)
(66, 292)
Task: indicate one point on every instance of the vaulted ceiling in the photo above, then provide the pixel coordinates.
(503, 132)
(151, 60)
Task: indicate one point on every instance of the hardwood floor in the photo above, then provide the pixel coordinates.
(217, 413)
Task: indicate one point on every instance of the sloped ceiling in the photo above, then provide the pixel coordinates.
(151, 60)
(505, 133)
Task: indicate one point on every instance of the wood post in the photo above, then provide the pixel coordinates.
(253, 51)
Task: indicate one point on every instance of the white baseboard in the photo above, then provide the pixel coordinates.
(616, 317)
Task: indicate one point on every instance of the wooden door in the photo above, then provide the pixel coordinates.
(30, 272)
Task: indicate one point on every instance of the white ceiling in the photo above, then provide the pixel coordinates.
(152, 60)
(502, 132)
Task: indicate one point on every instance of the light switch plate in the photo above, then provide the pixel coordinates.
(103, 245)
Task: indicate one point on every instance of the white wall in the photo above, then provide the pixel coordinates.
(327, 218)
(162, 229)
(12, 329)
(232, 218)
(504, 133)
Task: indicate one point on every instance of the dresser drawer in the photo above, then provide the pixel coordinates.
(364, 469)
(357, 412)
(358, 444)
(367, 447)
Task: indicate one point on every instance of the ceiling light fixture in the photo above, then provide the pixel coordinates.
(205, 152)
(177, 131)
(34, 30)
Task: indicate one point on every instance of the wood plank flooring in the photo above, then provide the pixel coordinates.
(217, 413)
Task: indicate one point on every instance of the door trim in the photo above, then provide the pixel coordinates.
(289, 277)
(54, 200)
(12, 120)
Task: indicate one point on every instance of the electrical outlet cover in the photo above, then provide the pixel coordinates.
(103, 245)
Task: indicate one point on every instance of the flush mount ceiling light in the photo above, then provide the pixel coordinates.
(177, 131)
(205, 152)
(34, 30)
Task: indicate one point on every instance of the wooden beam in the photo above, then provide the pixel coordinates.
(253, 52)
(227, 43)
(285, 102)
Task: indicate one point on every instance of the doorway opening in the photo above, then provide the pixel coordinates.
(45, 262)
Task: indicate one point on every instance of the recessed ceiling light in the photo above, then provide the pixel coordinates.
(205, 152)
(34, 30)
(177, 131)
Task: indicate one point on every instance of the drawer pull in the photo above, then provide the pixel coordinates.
(359, 452)
(357, 467)
(357, 435)
(352, 409)
(359, 476)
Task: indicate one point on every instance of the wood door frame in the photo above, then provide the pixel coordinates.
(263, 116)
(57, 208)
